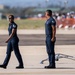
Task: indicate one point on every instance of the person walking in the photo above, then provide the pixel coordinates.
(12, 44)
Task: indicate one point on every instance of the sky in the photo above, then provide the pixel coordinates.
(26, 3)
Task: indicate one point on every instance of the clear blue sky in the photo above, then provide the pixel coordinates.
(24, 3)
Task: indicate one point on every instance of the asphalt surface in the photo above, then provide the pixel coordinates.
(39, 39)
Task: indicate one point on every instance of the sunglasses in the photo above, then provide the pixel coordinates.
(10, 18)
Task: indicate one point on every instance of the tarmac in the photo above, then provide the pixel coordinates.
(33, 55)
(37, 31)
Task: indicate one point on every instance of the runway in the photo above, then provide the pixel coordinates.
(32, 56)
(39, 39)
(33, 50)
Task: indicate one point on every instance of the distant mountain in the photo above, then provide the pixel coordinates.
(24, 3)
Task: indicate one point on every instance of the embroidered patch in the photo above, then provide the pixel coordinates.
(14, 25)
(53, 22)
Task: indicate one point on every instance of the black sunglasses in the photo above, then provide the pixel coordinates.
(10, 18)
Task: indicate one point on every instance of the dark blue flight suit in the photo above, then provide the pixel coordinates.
(13, 45)
(49, 43)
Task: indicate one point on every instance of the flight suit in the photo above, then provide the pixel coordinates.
(49, 43)
(13, 46)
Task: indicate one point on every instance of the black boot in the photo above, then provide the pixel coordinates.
(49, 67)
(19, 67)
(3, 66)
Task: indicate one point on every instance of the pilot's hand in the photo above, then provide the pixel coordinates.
(53, 39)
(6, 41)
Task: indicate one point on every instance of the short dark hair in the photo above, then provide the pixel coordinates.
(12, 16)
(49, 12)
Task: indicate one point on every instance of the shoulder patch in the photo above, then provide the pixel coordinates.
(53, 22)
(14, 25)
